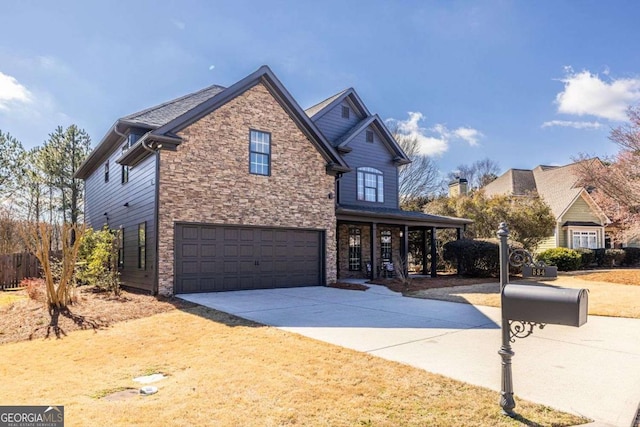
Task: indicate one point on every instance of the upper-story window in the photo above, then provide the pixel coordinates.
(106, 171)
(259, 152)
(345, 112)
(370, 185)
(124, 171)
(369, 136)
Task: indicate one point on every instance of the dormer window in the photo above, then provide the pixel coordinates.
(345, 112)
(370, 185)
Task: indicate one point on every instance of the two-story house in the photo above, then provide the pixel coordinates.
(239, 188)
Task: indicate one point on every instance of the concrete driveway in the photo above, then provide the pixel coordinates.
(592, 371)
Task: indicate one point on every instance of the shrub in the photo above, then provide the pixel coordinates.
(476, 258)
(97, 260)
(35, 289)
(610, 257)
(563, 258)
(587, 257)
(631, 257)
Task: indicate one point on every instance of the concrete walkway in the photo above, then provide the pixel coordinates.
(593, 371)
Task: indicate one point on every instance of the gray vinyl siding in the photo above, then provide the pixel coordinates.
(110, 197)
(333, 126)
(367, 154)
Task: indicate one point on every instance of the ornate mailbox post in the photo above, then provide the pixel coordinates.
(527, 306)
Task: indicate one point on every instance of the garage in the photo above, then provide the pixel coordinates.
(212, 258)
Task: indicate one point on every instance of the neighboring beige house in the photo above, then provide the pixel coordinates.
(580, 223)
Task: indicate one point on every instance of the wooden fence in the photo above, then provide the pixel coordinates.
(15, 267)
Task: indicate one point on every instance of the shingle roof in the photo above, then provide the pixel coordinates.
(557, 185)
(311, 111)
(162, 114)
(399, 214)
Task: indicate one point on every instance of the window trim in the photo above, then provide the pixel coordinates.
(584, 233)
(268, 155)
(386, 248)
(355, 249)
(124, 171)
(142, 246)
(369, 136)
(361, 184)
(120, 234)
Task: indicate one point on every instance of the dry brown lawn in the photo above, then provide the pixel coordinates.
(607, 296)
(223, 370)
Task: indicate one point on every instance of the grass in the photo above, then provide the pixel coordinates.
(607, 295)
(8, 298)
(228, 371)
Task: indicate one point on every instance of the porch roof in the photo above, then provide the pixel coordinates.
(398, 216)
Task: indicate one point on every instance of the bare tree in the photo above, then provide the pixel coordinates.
(420, 179)
(478, 174)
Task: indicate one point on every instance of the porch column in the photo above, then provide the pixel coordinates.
(405, 248)
(374, 255)
(434, 253)
(458, 233)
(425, 259)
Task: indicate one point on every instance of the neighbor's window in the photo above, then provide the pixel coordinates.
(124, 174)
(120, 234)
(385, 245)
(106, 172)
(345, 112)
(259, 152)
(370, 185)
(355, 250)
(142, 245)
(585, 239)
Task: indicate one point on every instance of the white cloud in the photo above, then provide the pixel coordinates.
(179, 24)
(469, 135)
(12, 91)
(571, 124)
(586, 93)
(434, 141)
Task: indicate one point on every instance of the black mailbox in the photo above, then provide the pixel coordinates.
(545, 304)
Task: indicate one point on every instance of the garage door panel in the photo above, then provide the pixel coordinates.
(222, 258)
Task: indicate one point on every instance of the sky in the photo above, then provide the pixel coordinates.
(520, 82)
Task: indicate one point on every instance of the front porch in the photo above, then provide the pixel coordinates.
(376, 242)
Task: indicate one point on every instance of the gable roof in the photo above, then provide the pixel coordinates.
(389, 141)
(558, 186)
(159, 115)
(166, 119)
(318, 110)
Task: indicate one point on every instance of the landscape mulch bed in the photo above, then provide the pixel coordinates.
(415, 284)
(28, 319)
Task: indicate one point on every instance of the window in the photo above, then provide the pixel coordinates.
(124, 175)
(142, 246)
(345, 112)
(369, 136)
(120, 234)
(385, 246)
(355, 250)
(585, 239)
(106, 172)
(259, 153)
(370, 185)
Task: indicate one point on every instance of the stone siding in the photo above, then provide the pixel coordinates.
(365, 244)
(207, 179)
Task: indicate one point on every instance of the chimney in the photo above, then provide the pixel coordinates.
(458, 187)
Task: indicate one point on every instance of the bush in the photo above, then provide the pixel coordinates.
(609, 257)
(97, 260)
(476, 258)
(631, 257)
(563, 258)
(587, 257)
